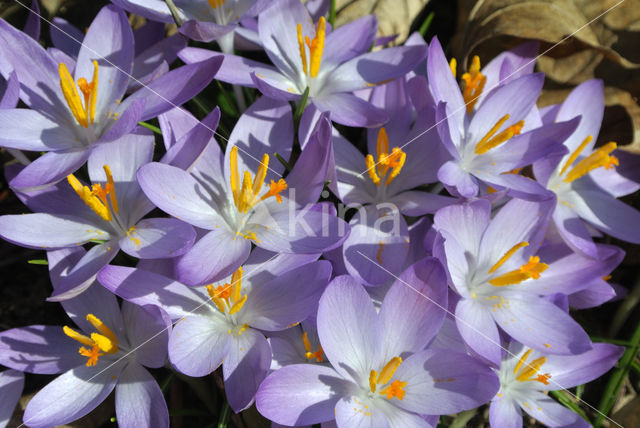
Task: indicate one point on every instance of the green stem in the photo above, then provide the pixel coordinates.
(565, 399)
(620, 342)
(618, 377)
(37, 262)
(284, 163)
(300, 108)
(174, 12)
(332, 14)
(426, 24)
(153, 128)
(224, 416)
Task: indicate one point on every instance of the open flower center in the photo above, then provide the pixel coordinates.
(493, 139)
(100, 343)
(600, 157)
(389, 165)
(390, 389)
(228, 297)
(526, 372)
(315, 46)
(318, 355)
(246, 197)
(83, 112)
(530, 270)
(96, 196)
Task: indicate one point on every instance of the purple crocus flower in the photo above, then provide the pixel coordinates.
(70, 213)
(107, 350)
(526, 375)
(585, 180)
(500, 135)
(380, 374)
(331, 64)
(11, 384)
(496, 268)
(204, 20)
(219, 324)
(223, 193)
(71, 115)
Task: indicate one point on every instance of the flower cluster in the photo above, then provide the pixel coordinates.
(425, 270)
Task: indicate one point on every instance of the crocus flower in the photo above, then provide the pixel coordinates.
(107, 350)
(380, 374)
(331, 64)
(71, 115)
(500, 135)
(585, 180)
(11, 384)
(219, 324)
(495, 267)
(241, 198)
(111, 210)
(384, 184)
(526, 375)
(204, 20)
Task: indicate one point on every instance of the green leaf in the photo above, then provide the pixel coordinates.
(153, 128)
(426, 24)
(566, 400)
(37, 262)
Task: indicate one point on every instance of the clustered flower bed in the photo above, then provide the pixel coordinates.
(425, 270)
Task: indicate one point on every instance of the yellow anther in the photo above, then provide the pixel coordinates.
(507, 256)
(389, 369)
(530, 270)
(246, 197)
(315, 45)
(490, 141)
(238, 305)
(110, 188)
(599, 158)
(220, 303)
(575, 154)
(104, 343)
(371, 169)
(521, 361)
(94, 199)
(83, 113)
(236, 284)
(372, 380)
(216, 3)
(101, 327)
(303, 51)
(305, 341)
(530, 371)
(85, 340)
(474, 82)
(453, 65)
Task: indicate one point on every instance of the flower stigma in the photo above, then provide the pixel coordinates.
(474, 82)
(101, 343)
(387, 162)
(395, 388)
(228, 297)
(309, 355)
(84, 113)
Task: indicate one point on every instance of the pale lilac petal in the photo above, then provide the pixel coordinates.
(443, 382)
(413, 309)
(11, 384)
(139, 400)
(178, 193)
(174, 124)
(71, 395)
(465, 223)
(349, 40)
(109, 41)
(204, 31)
(504, 412)
(451, 174)
(282, 302)
(47, 231)
(585, 100)
(568, 371)
(573, 230)
(418, 203)
(245, 367)
(65, 36)
(155, 10)
(310, 391)
(550, 412)
(378, 244)
(197, 345)
(596, 293)
(216, 255)
(541, 325)
(39, 349)
(26, 129)
(443, 84)
(357, 412)
(478, 329)
(350, 338)
(10, 92)
(350, 110)
(148, 331)
(186, 150)
(49, 169)
(275, 86)
(100, 302)
(156, 238)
